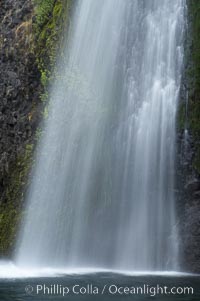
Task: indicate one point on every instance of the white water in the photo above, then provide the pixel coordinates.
(9, 270)
(102, 189)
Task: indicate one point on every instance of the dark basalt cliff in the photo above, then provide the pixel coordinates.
(29, 39)
(19, 104)
(19, 82)
(188, 153)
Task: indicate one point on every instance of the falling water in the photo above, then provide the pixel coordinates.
(102, 189)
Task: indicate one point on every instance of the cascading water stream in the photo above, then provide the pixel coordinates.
(102, 188)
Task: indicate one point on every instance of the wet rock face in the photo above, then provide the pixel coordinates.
(19, 83)
(190, 226)
(188, 204)
(29, 39)
(192, 236)
(188, 146)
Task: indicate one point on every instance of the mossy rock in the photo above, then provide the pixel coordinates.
(49, 19)
(193, 79)
(11, 210)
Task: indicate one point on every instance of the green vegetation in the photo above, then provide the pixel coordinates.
(10, 211)
(193, 75)
(51, 15)
(46, 35)
(194, 14)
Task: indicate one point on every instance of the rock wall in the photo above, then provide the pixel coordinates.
(188, 153)
(19, 95)
(29, 40)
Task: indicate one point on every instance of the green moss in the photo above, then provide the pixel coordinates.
(194, 117)
(11, 209)
(196, 162)
(181, 116)
(50, 18)
(194, 15)
(43, 11)
(193, 77)
(9, 220)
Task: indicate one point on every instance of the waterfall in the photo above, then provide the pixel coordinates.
(102, 191)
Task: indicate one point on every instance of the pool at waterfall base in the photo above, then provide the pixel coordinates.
(103, 286)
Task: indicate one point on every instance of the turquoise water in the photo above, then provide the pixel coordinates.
(90, 287)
